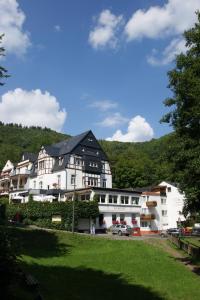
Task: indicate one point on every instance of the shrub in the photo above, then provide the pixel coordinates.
(40, 213)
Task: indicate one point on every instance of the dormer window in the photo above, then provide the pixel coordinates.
(60, 160)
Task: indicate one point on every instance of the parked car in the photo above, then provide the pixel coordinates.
(196, 231)
(163, 233)
(121, 229)
(173, 231)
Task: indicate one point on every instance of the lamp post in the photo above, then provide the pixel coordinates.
(73, 203)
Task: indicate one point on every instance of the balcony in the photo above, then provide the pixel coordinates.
(4, 178)
(151, 204)
(4, 191)
(19, 172)
(148, 217)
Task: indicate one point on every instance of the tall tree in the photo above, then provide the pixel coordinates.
(184, 82)
(3, 71)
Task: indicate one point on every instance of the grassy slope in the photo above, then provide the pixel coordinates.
(81, 267)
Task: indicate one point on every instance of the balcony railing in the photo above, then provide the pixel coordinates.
(148, 217)
(4, 177)
(20, 172)
(151, 203)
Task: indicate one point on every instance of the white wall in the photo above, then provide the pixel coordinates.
(174, 205)
(48, 180)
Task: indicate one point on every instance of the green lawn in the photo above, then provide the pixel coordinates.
(91, 268)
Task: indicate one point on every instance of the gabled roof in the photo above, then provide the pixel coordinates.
(65, 146)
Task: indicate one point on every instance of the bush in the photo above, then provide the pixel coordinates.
(40, 213)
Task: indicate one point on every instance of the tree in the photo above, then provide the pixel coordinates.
(184, 82)
(3, 71)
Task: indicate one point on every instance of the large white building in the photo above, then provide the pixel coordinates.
(80, 164)
(161, 208)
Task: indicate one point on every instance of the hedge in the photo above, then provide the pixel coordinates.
(40, 213)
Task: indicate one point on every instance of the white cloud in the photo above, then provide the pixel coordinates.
(175, 47)
(12, 18)
(138, 131)
(57, 28)
(104, 33)
(113, 120)
(169, 20)
(172, 18)
(103, 105)
(32, 108)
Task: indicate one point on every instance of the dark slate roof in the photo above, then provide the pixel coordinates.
(29, 156)
(66, 146)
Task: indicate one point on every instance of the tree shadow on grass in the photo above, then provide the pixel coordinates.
(86, 284)
(38, 243)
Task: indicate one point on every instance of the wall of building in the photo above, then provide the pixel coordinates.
(174, 205)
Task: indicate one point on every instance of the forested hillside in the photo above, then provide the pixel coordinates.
(133, 164)
(15, 139)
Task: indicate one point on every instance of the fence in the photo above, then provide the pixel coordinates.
(186, 246)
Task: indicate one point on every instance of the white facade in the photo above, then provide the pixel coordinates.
(161, 208)
(174, 205)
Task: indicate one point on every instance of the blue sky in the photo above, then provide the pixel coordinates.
(91, 64)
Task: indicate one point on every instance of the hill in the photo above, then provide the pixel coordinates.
(133, 164)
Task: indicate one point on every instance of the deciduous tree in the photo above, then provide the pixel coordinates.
(184, 82)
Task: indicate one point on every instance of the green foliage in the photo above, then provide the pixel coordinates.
(184, 81)
(139, 164)
(7, 260)
(3, 71)
(15, 139)
(40, 213)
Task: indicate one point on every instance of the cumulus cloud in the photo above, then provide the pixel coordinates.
(113, 120)
(32, 108)
(175, 47)
(172, 18)
(139, 130)
(103, 105)
(12, 18)
(104, 33)
(169, 20)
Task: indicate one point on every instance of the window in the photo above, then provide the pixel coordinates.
(104, 183)
(59, 180)
(114, 217)
(41, 165)
(85, 197)
(134, 200)
(60, 160)
(73, 179)
(34, 184)
(163, 200)
(93, 164)
(112, 199)
(101, 198)
(144, 224)
(41, 185)
(124, 199)
(164, 213)
(169, 189)
(122, 217)
(92, 181)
